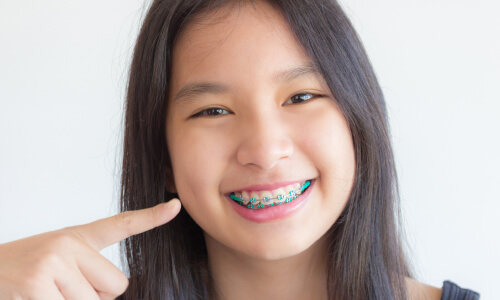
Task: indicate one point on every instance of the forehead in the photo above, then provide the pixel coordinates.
(237, 44)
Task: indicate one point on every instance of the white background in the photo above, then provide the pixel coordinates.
(63, 70)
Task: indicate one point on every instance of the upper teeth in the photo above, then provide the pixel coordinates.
(269, 198)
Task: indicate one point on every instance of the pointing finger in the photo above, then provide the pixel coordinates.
(105, 232)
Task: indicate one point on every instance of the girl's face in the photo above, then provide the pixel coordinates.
(247, 113)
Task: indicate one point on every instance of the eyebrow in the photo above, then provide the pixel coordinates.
(306, 69)
(193, 89)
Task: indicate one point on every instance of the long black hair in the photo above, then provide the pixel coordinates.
(365, 256)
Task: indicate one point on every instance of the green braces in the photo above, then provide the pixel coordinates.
(287, 199)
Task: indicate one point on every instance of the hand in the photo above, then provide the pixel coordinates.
(66, 264)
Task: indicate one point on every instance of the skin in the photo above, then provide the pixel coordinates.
(263, 139)
(66, 264)
(420, 291)
(260, 139)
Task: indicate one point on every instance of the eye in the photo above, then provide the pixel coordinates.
(299, 98)
(211, 112)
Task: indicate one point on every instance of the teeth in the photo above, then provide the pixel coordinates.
(279, 196)
(246, 197)
(289, 193)
(266, 198)
(254, 198)
(261, 199)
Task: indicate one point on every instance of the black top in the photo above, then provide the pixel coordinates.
(451, 291)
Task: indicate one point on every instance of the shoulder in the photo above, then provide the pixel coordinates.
(420, 291)
(450, 291)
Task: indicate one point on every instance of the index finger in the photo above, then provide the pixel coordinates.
(106, 232)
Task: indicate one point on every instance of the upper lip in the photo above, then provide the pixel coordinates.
(265, 187)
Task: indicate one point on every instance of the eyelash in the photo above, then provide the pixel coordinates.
(217, 111)
(310, 96)
(209, 112)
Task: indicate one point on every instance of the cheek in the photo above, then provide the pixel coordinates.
(197, 163)
(328, 142)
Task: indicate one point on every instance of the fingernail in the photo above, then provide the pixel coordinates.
(173, 203)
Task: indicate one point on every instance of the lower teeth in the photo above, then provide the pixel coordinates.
(280, 199)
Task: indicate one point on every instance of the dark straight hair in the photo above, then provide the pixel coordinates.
(365, 256)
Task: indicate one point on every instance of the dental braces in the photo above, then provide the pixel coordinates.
(264, 202)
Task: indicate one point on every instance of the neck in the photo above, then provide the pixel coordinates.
(239, 276)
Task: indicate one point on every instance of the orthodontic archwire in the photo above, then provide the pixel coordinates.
(292, 196)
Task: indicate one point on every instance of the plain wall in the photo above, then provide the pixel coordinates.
(63, 71)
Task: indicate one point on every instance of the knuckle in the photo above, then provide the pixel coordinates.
(49, 261)
(43, 265)
(154, 213)
(121, 284)
(63, 240)
(124, 220)
(116, 285)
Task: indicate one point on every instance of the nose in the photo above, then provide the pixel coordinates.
(265, 142)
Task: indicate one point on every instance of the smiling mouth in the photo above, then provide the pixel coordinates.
(265, 199)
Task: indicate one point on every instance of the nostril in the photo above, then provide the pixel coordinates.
(265, 155)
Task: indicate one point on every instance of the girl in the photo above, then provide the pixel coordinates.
(266, 120)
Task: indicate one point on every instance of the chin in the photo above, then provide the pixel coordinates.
(277, 248)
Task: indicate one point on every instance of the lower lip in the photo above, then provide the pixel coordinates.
(272, 213)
